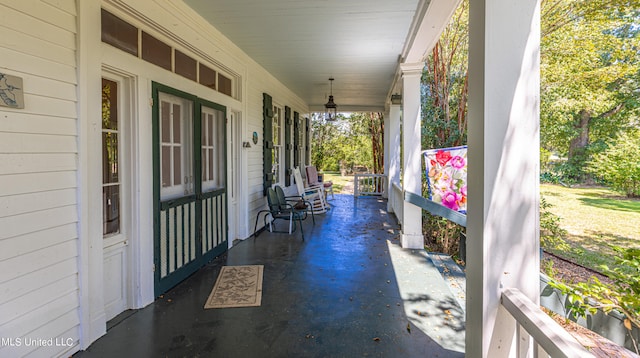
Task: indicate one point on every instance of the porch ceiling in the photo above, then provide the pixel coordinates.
(304, 42)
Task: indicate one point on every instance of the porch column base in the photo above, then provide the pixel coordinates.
(412, 241)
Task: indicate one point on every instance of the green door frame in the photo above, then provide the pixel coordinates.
(196, 216)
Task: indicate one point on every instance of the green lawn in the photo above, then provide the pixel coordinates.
(339, 181)
(594, 218)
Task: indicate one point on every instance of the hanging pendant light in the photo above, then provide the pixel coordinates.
(330, 108)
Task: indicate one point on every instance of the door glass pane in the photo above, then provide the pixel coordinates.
(177, 122)
(210, 163)
(111, 209)
(109, 104)
(165, 114)
(166, 166)
(210, 125)
(177, 166)
(110, 159)
(203, 132)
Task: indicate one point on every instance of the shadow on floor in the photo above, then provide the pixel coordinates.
(348, 290)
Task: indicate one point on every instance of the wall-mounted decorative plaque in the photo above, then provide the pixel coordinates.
(11, 94)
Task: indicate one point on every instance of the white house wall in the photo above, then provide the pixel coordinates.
(50, 183)
(38, 180)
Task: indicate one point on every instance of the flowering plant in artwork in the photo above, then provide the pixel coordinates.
(447, 177)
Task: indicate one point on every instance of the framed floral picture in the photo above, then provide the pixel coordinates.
(447, 177)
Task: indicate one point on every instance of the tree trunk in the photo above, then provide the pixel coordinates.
(376, 129)
(578, 144)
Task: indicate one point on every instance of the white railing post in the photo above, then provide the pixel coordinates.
(397, 202)
(394, 149)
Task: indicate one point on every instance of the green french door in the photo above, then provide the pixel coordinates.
(190, 195)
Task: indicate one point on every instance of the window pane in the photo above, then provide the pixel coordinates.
(203, 129)
(177, 122)
(111, 209)
(156, 51)
(210, 130)
(177, 166)
(224, 84)
(207, 77)
(165, 110)
(109, 157)
(210, 164)
(109, 105)
(185, 65)
(204, 165)
(276, 126)
(119, 33)
(275, 160)
(166, 166)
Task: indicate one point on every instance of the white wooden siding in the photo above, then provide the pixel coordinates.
(38, 178)
(20, 122)
(22, 163)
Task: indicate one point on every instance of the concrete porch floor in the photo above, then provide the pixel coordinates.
(347, 290)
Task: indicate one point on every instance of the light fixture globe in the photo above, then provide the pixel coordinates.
(330, 108)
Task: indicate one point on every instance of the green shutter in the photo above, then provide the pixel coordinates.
(296, 139)
(307, 142)
(267, 138)
(287, 146)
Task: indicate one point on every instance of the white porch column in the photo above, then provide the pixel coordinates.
(394, 150)
(503, 139)
(385, 154)
(411, 145)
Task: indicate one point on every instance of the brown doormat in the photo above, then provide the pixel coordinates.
(237, 286)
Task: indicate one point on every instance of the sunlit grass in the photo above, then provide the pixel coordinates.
(594, 218)
(339, 181)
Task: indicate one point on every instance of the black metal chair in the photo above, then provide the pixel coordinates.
(281, 210)
(297, 201)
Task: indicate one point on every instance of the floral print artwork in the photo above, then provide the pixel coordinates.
(447, 177)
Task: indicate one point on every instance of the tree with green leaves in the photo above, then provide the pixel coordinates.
(619, 163)
(590, 58)
(349, 141)
(445, 85)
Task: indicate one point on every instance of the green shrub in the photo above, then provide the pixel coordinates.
(618, 164)
(552, 236)
(441, 235)
(622, 295)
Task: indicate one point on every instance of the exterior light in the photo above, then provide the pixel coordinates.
(330, 108)
(396, 99)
